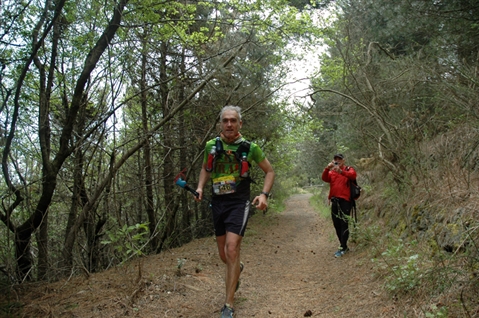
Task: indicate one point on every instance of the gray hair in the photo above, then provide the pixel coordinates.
(237, 109)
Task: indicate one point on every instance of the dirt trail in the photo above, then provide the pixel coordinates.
(289, 271)
(299, 272)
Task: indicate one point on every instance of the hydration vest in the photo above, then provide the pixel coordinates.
(242, 150)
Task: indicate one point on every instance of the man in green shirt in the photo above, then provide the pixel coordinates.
(231, 194)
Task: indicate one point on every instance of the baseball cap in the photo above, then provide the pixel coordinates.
(339, 155)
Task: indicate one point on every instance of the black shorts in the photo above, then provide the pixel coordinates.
(231, 216)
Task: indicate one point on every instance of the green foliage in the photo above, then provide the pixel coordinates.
(180, 262)
(276, 204)
(128, 241)
(367, 236)
(404, 272)
(437, 312)
(318, 201)
(296, 159)
(406, 276)
(384, 92)
(159, 55)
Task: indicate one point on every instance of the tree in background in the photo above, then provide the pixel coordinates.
(397, 89)
(104, 103)
(389, 70)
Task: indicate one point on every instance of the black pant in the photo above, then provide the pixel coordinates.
(340, 212)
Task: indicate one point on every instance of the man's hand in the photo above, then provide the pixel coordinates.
(200, 195)
(330, 165)
(204, 176)
(261, 202)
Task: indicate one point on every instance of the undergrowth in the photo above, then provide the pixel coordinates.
(425, 279)
(319, 202)
(438, 282)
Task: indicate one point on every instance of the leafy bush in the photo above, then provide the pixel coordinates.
(128, 241)
(403, 273)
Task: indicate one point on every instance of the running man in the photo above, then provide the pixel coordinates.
(231, 193)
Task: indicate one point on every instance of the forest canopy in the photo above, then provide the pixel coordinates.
(104, 104)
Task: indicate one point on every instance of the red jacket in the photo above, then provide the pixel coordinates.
(339, 182)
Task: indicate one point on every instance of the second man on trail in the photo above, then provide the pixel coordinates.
(338, 175)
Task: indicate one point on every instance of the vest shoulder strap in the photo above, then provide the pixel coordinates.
(243, 147)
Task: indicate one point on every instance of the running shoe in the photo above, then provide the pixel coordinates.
(341, 252)
(227, 311)
(239, 283)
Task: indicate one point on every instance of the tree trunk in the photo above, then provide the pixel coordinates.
(70, 240)
(78, 102)
(150, 210)
(42, 240)
(24, 232)
(186, 216)
(168, 167)
(140, 203)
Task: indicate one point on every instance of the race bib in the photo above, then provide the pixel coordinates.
(224, 185)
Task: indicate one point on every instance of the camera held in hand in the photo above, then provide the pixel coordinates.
(336, 163)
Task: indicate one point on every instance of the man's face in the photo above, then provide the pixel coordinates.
(230, 124)
(339, 161)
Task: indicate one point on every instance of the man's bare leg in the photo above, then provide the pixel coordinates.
(229, 251)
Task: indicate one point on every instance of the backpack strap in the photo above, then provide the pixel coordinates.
(243, 147)
(354, 213)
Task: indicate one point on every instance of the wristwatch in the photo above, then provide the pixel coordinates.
(265, 193)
